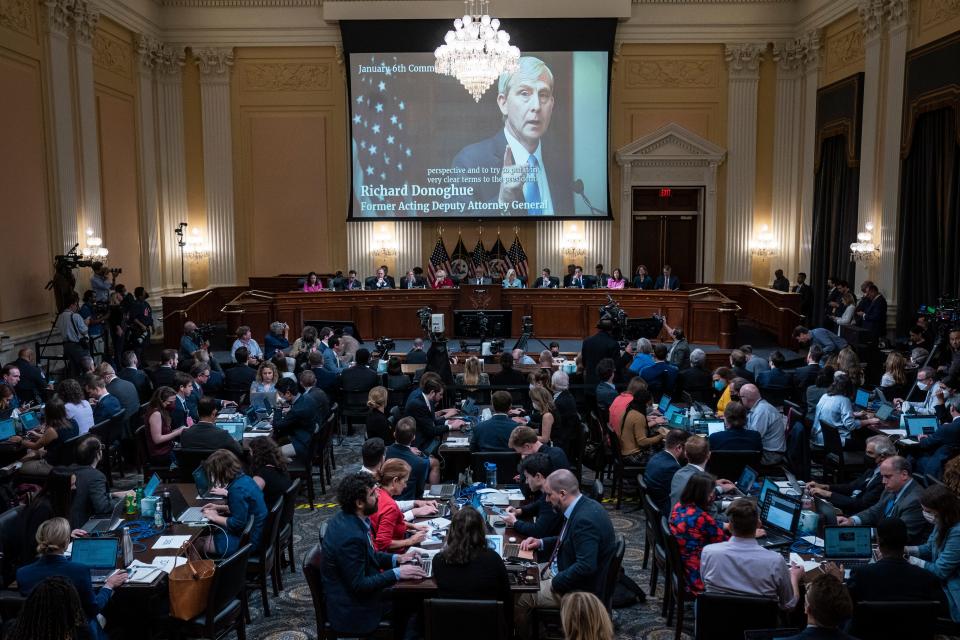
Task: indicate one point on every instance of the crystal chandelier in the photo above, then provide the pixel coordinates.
(864, 250)
(476, 52)
(763, 245)
(94, 249)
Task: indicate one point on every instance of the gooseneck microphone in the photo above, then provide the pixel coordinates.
(578, 189)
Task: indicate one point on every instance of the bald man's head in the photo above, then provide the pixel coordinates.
(27, 354)
(749, 395)
(561, 489)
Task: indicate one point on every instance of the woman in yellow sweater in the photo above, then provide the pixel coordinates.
(721, 384)
(637, 439)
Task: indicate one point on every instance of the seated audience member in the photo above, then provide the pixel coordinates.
(160, 432)
(900, 499)
(472, 376)
(122, 390)
(939, 555)
(579, 555)
(583, 617)
(266, 379)
(388, 523)
(240, 377)
(892, 577)
(245, 339)
(637, 439)
(53, 610)
(423, 468)
(162, 376)
(863, 492)
(77, 407)
(91, 496)
(307, 342)
(493, 434)
(351, 282)
(693, 525)
(894, 370)
(359, 378)
(923, 399)
(662, 467)
(524, 441)
(416, 355)
(326, 381)
(546, 360)
(642, 279)
(8, 398)
(312, 284)
(521, 359)
(619, 406)
(277, 339)
(544, 414)
(203, 384)
(943, 444)
(738, 363)
(661, 375)
(667, 281)
(696, 379)
(296, 418)
(740, 566)
(806, 375)
(827, 606)
(355, 575)
(397, 380)
(441, 280)
(244, 499)
(755, 364)
(422, 408)
(205, 434)
(697, 453)
(722, 377)
(849, 363)
(131, 373)
(373, 455)
(775, 377)
(539, 520)
(32, 381)
(818, 390)
(679, 352)
(377, 424)
(308, 382)
(836, 409)
(508, 376)
(182, 413)
(606, 390)
(45, 444)
(467, 568)
(828, 341)
(54, 500)
(53, 536)
(765, 419)
(268, 468)
(735, 436)
(644, 356)
(541, 378)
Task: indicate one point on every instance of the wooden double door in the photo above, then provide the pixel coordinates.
(668, 236)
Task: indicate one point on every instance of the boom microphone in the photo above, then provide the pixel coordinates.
(577, 187)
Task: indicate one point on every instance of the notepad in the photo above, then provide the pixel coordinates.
(808, 565)
(167, 563)
(170, 542)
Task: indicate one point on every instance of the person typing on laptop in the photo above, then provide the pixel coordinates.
(900, 499)
(244, 499)
(864, 491)
(539, 519)
(943, 444)
(373, 455)
(53, 536)
(92, 497)
(205, 434)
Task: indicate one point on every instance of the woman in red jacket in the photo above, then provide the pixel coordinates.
(389, 526)
(442, 281)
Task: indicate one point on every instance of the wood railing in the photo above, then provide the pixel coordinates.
(774, 311)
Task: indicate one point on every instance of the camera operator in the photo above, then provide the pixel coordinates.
(101, 282)
(192, 340)
(94, 313)
(139, 322)
(950, 360)
(76, 337)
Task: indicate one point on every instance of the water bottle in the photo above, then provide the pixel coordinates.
(139, 496)
(167, 507)
(158, 517)
(127, 547)
(491, 469)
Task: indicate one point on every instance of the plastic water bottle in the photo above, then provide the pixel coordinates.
(158, 517)
(491, 468)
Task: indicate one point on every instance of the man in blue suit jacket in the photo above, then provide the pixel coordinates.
(355, 576)
(662, 466)
(420, 406)
(494, 434)
(735, 436)
(943, 444)
(298, 422)
(775, 377)
(874, 317)
(105, 406)
(661, 375)
(667, 281)
(606, 390)
(421, 467)
(331, 356)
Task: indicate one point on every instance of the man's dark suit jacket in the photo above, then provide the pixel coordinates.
(31, 385)
(92, 497)
(204, 435)
(163, 377)
(419, 468)
(658, 476)
(578, 283)
(736, 440)
(875, 317)
(140, 380)
(774, 378)
(674, 282)
(239, 378)
(492, 434)
(939, 448)
(806, 375)
(107, 407)
(418, 281)
(358, 379)
(806, 299)
(539, 519)
(870, 487)
(595, 348)
(697, 382)
(820, 633)
(126, 393)
(322, 400)
(743, 372)
(897, 580)
(506, 377)
(606, 394)
(489, 153)
(179, 413)
(538, 283)
(585, 550)
(297, 424)
(354, 576)
(428, 427)
(416, 357)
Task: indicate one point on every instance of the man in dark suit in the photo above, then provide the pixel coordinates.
(32, 381)
(864, 491)
(943, 444)
(524, 441)
(241, 375)
(355, 575)
(122, 390)
(606, 390)
(696, 379)
(775, 377)
(92, 497)
(827, 606)
(806, 295)
(416, 355)
(297, 421)
(479, 276)
(162, 376)
(430, 427)
(421, 467)
(136, 376)
(900, 499)
(600, 278)
(413, 281)
(507, 374)
(200, 372)
(579, 556)
(874, 317)
(183, 413)
(667, 281)
(806, 375)
(566, 427)
(597, 347)
(359, 378)
(381, 280)
(105, 406)
(661, 375)
(544, 281)
(661, 468)
(735, 436)
(325, 379)
(578, 280)
(205, 434)
(531, 182)
(493, 434)
(308, 381)
(536, 518)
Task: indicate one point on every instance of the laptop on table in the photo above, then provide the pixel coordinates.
(917, 426)
(103, 525)
(98, 553)
(181, 511)
(748, 477)
(7, 429)
(203, 485)
(861, 401)
(780, 515)
(847, 545)
(708, 427)
(29, 420)
(664, 404)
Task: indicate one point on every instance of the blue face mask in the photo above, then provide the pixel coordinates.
(719, 385)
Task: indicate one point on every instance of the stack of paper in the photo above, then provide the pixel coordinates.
(458, 442)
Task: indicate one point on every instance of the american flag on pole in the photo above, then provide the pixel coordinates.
(439, 259)
(479, 257)
(518, 258)
(497, 260)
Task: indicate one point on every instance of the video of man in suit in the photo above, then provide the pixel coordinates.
(534, 145)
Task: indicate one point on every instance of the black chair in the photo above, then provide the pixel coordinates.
(225, 603)
(109, 432)
(188, 460)
(263, 561)
(676, 579)
(148, 468)
(353, 408)
(11, 602)
(486, 619)
(620, 468)
(775, 395)
(285, 537)
(726, 617)
(9, 544)
(892, 620)
(304, 469)
(730, 464)
(654, 538)
(506, 461)
(613, 572)
(840, 465)
(799, 457)
(325, 457)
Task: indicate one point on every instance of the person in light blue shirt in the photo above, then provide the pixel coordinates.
(836, 409)
(331, 357)
(644, 357)
(940, 555)
(829, 342)
(245, 339)
(511, 281)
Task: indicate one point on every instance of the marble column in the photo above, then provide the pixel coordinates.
(810, 44)
(85, 18)
(215, 67)
(785, 214)
(898, 14)
(744, 77)
(871, 19)
(172, 158)
(60, 105)
(151, 260)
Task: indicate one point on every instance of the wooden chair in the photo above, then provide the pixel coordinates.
(676, 579)
(620, 467)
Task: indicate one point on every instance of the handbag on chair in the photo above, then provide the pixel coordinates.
(190, 584)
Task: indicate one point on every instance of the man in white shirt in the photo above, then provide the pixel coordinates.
(373, 454)
(765, 419)
(740, 566)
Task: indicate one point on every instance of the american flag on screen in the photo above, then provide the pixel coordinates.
(439, 259)
(518, 258)
(460, 260)
(479, 257)
(497, 260)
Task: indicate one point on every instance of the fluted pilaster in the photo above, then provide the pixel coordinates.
(172, 158)
(785, 213)
(810, 46)
(149, 52)
(597, 241)
(85, 18)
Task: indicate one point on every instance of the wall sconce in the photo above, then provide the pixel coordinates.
(864, 250)
(384, 247)
(763, 245)
(573, 244)
(197, 247)
(94, 249)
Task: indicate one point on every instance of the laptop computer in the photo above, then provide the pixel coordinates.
(234, 427)
(861, 401)
(7, 429)
(767, 486)
(677, 420)
(664, 404)
(262, 400)
(98, 553)
(748, 477)
(848, 545)
(791, 486)
(151, 487)
(707, 427)
(886, 411)
(780, 515)
(103, 525)
(714, 426)
(29, 420)
(917, 426)
(203, 484)
(670, 412)
(181, 511)
(827, 513)
(443, 491)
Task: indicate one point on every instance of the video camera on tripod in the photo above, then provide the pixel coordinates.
(943, 317)
(623, 328)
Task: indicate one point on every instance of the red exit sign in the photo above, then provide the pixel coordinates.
(665, 192)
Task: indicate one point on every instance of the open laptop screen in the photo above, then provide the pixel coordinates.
(97, 553)
(919, 425)
(863, 398)
(747, 478)
(664, 403)
(781, 512)
(847, 542)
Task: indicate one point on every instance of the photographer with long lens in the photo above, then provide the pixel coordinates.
(76, 337)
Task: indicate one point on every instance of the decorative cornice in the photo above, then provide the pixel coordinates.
(788, 54)
(213, 61)
(85, 18)
(247, 4)
(744, 59)
(871, 14)
(18, 15)
(703, 1)
(811, 44)
(170, 60)
(58, 14)
(112, 54)
(898, 13)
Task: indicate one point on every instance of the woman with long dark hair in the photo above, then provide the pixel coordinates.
(269, 468)
(836, 409)
(46, 441)
(52, 612)
(244, 499)
(160, 431)
(692, 524)
(637, 439)
(941, 553)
